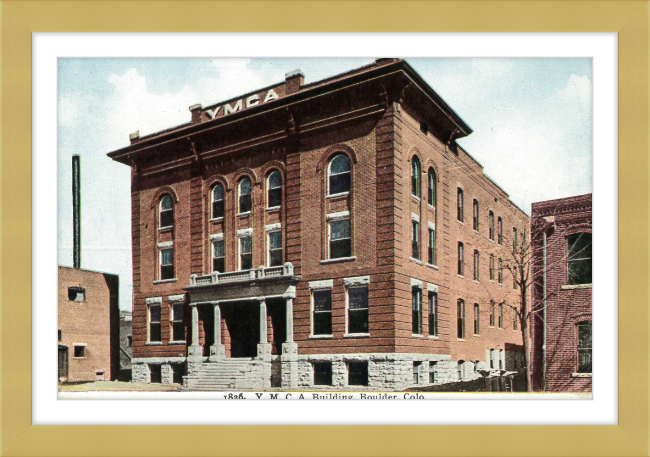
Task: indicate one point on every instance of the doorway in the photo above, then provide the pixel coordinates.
(243, 326)
(63, 362)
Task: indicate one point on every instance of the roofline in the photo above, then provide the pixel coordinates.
(92, 271)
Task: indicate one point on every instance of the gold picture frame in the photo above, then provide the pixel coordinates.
(20, 18)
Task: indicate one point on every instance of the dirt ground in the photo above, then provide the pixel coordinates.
(105, 386)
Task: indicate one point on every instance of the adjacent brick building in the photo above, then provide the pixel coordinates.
(565, 227)
(363, 215)
(88, 325)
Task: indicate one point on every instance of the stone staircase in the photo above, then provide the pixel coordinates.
(228, 374)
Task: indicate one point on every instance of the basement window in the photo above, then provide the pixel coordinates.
(156, 374)
(79, 351)
(76, 294)
(358, 373)
(322, 373)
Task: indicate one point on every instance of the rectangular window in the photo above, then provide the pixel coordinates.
(461, 262)
(500, 277)
(476, 266)
(129, 341)
(155, 373)
(477, 320)
(500, 231)
(500, 315)
(167, 263)
(154, 323)
(358, 373)
(80, 351)
(461, 319)
(579, 259)
(416, 372)
(322, 312)
(245, 253)
(433, 314)
(432, 372)
(432, 247)
(219, 256)
(491, 225)
(275, 249)
(584, 347)
(475, 213)
(514, 238)
(178, 327)
(416, 324)
(322, 373)
(358, 310)
(178, 373)
(76, 294)
(459, 204)
(415, 240)
(340, 242)
(493, 313)
(60, 335)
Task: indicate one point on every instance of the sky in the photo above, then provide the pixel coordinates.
(531, 117)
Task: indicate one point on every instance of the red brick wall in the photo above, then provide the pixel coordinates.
(93, 322)
(565, 306)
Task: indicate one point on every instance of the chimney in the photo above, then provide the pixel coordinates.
(293, 80)
(76, 211)
(134, 137)
(196, 113)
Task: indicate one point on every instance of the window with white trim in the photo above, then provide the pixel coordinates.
(275, 248)
(415, 177)
(340, 242)
(415, 239)
(583, 332)
(432, 187)
(433, 314)
(459, 204)
(476, 265)
(274, 183)
(579, 258)
(416, 314)
(491, 225)
(461, 261)
(217, 201)
(339, 177)
(358, 309)
(432, 246)
(154, 324)
(460, 318)
(166, 209)
(219, 256)
(477, 319)
(322, 311)
(166, 261)
(245, 252)
(177, 325)
(475, 211)
(245, 195)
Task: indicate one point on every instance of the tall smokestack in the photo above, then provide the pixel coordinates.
(76, 210)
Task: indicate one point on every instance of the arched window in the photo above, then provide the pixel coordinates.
(491, 222)
(475, 213)
(274, 199)
(432, 187)
(245, 200)
(166, 212)
(415, 177)
(217, 201)
(461, 264)
(339, 175)
(459, 204)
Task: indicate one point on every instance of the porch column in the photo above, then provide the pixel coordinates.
(195, 350)
(289, 319)
(264, 348)
(217, 350)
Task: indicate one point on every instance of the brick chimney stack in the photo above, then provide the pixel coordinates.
(294, 80)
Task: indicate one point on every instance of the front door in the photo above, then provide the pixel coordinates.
(63, 362)
(243, 324)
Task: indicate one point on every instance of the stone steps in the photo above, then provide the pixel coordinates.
(229, 374)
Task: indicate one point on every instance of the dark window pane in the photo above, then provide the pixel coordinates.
(79, 351)
(219, 265)
(323, 300)
(340, 229)
(245, 186)
(167, 272)
(245, 203)
(579, 261)
(358, 321)
(432, 187)
(154, 332)
(156, 374)
(166, 203)
(416, 301)
(219, 249)
(275, 240)
(322, 373)
(340, 164)
(246, 244)
(433, 322)
(358, 373)
(166, 218)
(246, 261)
(415, 177)
(217, 209)
(179, 372)
(178, 311)
(217, 193)
(275, 197)
(275, 180)
(178, 331)
(323, 323)
(339, 183)
(415, 237)
(340, 248)
(154, 313)
(276, 257)
(358, 297)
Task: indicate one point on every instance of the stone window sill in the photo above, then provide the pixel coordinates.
(460, 276)
(581, 375)
(460, 222)
(178, 342)
(164, 281)
(435, 267)
(274, 208)
(246, 213)
(154, 343)
(320, 337)
(576, 286)
(162, 229)
(356, 335)
(461, 339)
(79, 358)
(415, 197)
(216, 219)
(413, 259)
(431, 206)
(433, 337)
(477, 232)
(417, 335)
(340, 259)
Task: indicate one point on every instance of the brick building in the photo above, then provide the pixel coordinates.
(363, 215)
(88, 325)
(565, 227)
